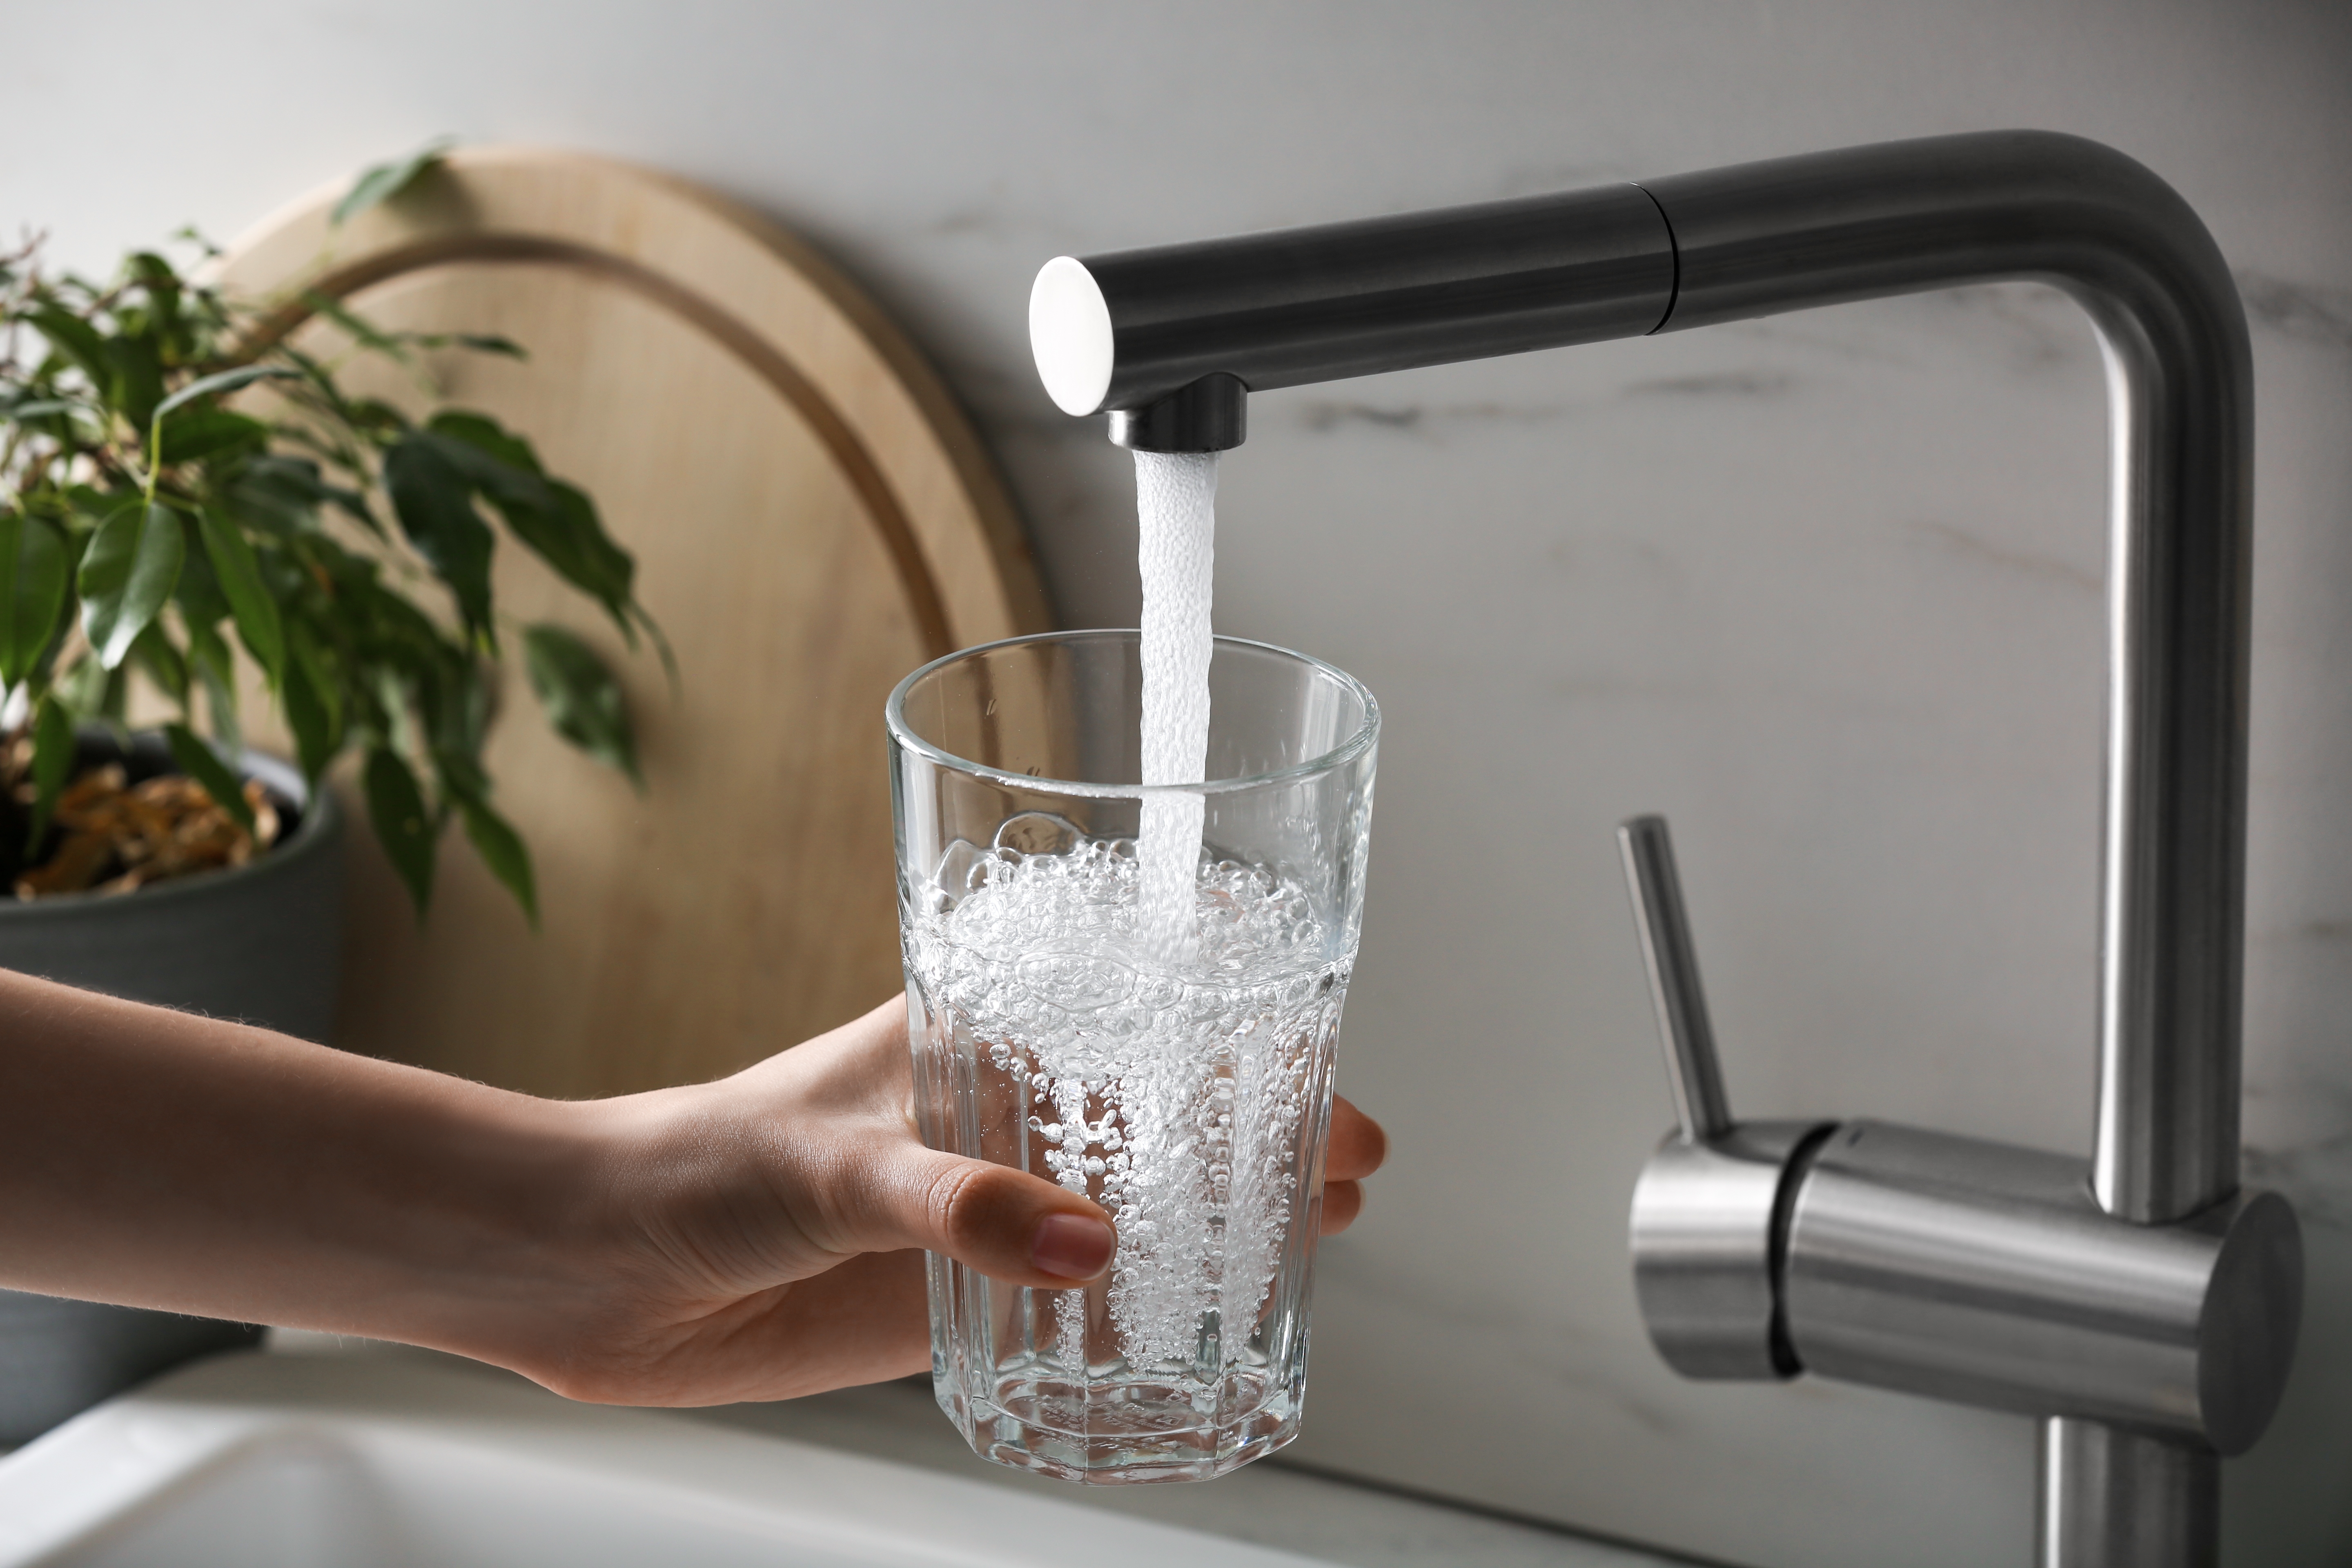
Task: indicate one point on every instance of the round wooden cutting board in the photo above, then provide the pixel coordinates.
(812, 518)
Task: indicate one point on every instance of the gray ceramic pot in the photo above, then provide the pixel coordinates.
(262, 942)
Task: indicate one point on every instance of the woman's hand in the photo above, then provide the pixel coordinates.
(764, 1234)
(753, 1238)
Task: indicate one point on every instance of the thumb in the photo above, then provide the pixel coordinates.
(1010, 1225)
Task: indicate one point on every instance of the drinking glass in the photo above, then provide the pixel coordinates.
(1187, 1091)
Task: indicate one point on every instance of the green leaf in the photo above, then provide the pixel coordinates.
(387, 619)
(504, 852)
(661, 646)
(584, 702)
(89, 501)
(354, 505)
(134, 381)
(373, 415)
(457, 700)
(53, 760)
(555, 521)
(198, 592)
(223, 382)
(462, 774)
(321, 382)
(392, 345)
(311, 711)
(407, 830)
(436, 507)
(156, 275)
(320, 670)
(80, 343)
(281, 495)
(47, 408)
(127, 572)
(568, 537)
(32, 590)
(201, 764)
(480, 433)
(491, 343)
(154, 653)
(206, 432)
(192, 235)
(209, 657)
(258, 624)
(86, 688)
(385, 181)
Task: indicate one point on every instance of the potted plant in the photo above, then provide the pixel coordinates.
(331, 545)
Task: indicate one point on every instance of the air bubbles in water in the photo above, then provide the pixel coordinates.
(1173, 1096)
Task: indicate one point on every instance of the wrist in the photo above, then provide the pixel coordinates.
(526, 1257)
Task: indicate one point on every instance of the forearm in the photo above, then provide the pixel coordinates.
(755, 1238)
(165, 1160)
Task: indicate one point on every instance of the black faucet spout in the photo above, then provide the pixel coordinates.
(1125, 332)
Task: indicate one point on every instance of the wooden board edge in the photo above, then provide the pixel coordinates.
(296, 239)
(1029, 605)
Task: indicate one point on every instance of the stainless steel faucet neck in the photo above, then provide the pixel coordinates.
(1172, 339)
(1791, 233)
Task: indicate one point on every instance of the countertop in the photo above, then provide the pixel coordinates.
(1272, 1503)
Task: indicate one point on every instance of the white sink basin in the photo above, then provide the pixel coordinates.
(262, 1461)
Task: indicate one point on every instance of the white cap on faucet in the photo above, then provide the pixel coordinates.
(1070, 335)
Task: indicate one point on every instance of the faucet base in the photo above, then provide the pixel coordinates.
(1964, 1271)
(2118, 1499)
(1985, 1274)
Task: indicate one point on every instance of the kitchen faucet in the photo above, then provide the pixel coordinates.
(2141, 1305)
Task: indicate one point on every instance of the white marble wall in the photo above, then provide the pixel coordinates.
(1825, 589)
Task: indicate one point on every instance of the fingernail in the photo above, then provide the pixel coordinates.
(1072, 1246)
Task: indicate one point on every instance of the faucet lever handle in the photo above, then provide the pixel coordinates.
(1657, 892)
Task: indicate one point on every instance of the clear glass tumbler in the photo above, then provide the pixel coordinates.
(1187, 1091)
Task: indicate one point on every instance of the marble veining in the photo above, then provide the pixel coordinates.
(2305, 312)
(1320, 416)
(1968, 544)
(1719, 384)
